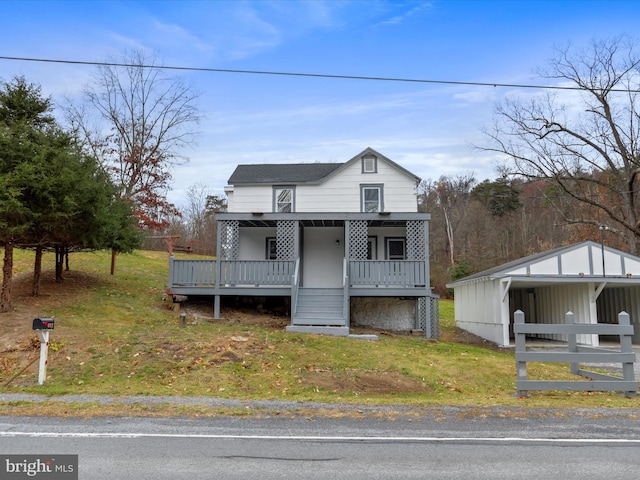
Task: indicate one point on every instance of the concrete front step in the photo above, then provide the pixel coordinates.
(315, 320)
(338, 331)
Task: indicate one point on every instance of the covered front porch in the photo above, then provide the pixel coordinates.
(320, 261)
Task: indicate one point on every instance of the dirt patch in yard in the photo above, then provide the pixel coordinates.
(363, 383)
(19, 344)
(201, 310)
(457, 335)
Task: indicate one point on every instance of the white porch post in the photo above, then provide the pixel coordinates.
(503, 303)
(594, 293)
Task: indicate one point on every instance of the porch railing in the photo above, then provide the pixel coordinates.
(256, 272)
(232, 272)
(387, 273)
(192, 272)
(404, 273)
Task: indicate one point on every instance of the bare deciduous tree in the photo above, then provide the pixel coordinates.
(199, 220)
(450, 196)
(588, 146)
(135, 121)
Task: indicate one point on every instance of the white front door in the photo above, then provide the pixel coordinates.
(322, 257)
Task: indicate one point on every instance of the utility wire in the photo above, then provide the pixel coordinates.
(309, 75)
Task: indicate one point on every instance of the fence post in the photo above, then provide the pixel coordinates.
(171, 267)
(570, 319)
(521, 347)
(626, 346)
(44, 354)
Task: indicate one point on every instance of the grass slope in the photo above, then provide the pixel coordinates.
(117, 335)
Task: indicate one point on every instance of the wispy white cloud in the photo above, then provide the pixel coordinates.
(475, 96)
(170, 36)
(325, 111)
(242, 29)
(413, 11)
(119, 43)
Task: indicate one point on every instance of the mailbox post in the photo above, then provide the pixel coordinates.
(42, 327)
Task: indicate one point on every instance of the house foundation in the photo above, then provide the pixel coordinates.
(386, 313)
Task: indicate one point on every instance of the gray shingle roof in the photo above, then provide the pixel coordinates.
(282, 173)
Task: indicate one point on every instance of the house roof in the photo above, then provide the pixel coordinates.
(514, 264)
(578, 262)
(297, 173)
(282, 173)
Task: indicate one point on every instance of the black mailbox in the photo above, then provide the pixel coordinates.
(43, 323)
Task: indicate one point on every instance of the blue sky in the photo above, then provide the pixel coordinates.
(427, 128)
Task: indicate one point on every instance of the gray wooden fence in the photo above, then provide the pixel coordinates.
(577, 354)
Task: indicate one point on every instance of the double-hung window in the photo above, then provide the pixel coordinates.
(371, 198)
(284, 199)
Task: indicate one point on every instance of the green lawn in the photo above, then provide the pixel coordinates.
(117, 335)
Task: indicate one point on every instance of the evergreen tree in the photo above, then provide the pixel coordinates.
(52, 195)
(24, 121)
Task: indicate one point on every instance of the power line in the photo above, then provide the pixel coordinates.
(308, 75)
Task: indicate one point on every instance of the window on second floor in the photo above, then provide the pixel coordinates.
(371, 198)
(284, 199)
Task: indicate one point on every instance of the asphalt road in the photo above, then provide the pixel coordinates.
(443, 443)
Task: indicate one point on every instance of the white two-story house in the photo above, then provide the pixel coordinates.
(344, 241)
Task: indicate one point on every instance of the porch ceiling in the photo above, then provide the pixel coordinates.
(340, 223)
(324, 219)
(257, 223)
(322, 223)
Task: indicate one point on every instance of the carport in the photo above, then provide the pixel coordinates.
(593, 281)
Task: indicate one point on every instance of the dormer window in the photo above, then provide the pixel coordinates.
(283, 199)
(369, 164)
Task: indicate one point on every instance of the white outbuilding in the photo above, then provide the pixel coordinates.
(591, 280)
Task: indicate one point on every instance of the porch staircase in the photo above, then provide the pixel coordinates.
(320, 310)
